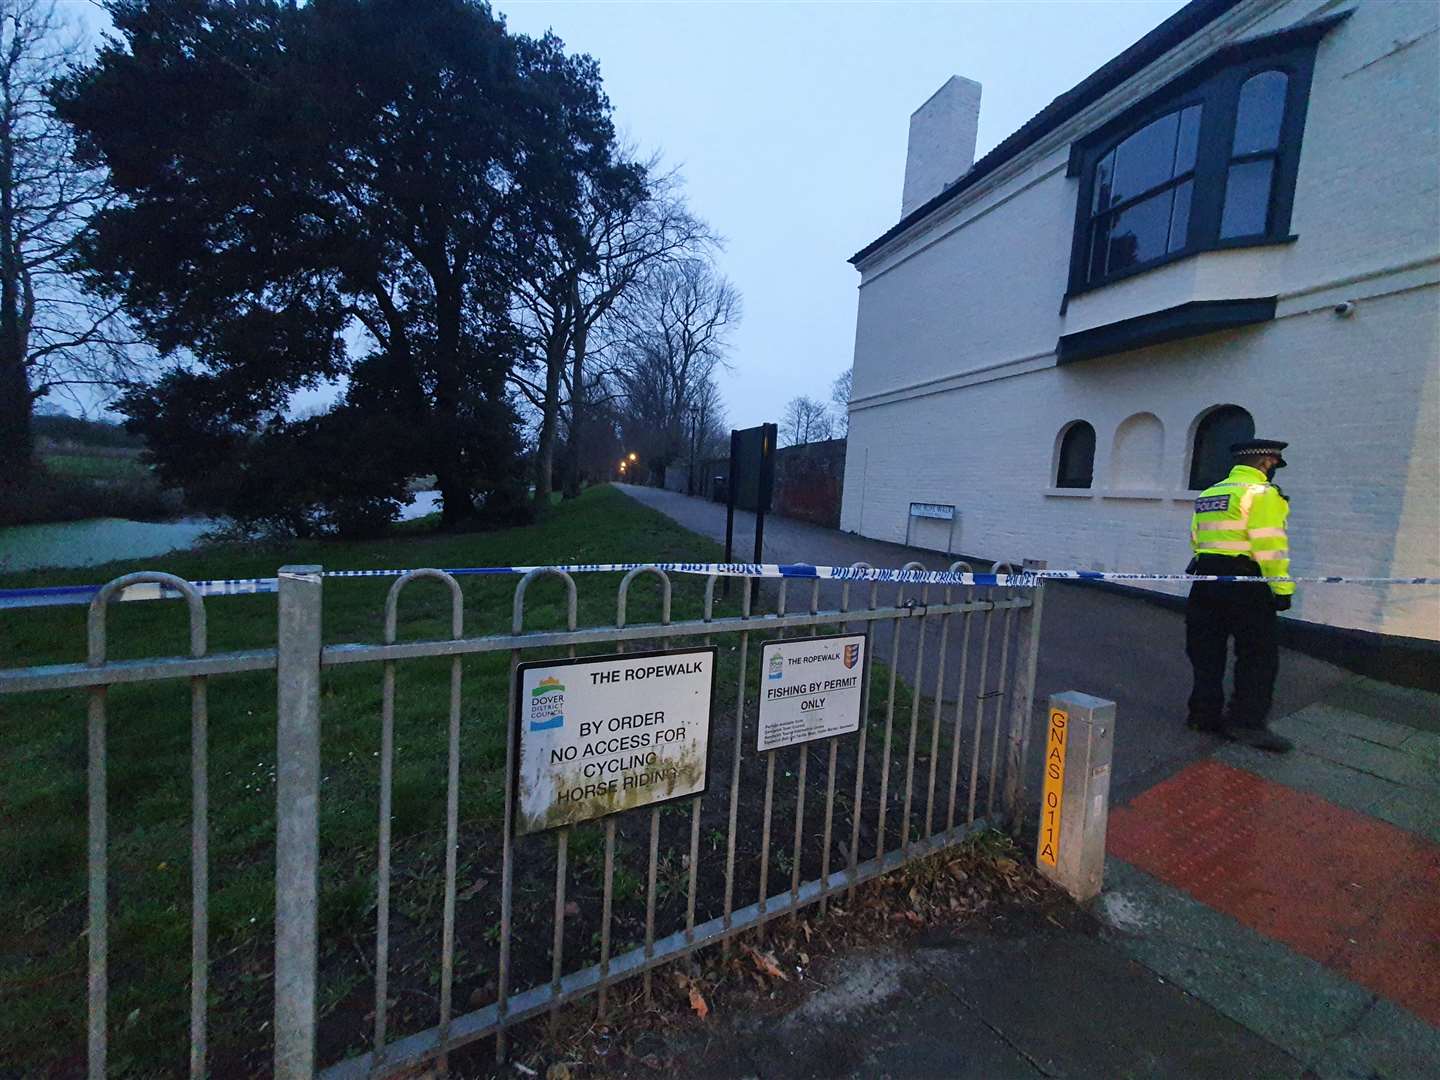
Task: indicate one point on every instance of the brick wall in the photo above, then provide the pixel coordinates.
(810, 481)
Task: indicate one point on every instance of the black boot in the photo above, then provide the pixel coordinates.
(1258, 737)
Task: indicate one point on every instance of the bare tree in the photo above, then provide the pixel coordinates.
(805, 420)
(840, 398)
(670, 338)
(54, 336)
(706, 429)
(622, 231)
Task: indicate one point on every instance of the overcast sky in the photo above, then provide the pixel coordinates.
(789, 122)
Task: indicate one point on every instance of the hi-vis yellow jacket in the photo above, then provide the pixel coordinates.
(1245, 514)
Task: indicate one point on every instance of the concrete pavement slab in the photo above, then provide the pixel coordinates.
(1387, 1043)
(1400, 704)
(1289, 999)
(864, 1023)
(1424, 745)
(1327, 717)
(1077, 1007)
(1029, 996)
(1329, 742)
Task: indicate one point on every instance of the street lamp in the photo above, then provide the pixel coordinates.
(634, 456)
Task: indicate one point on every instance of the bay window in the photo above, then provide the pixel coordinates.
(1207, 162)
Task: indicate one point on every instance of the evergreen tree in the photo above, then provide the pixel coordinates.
(339, 191)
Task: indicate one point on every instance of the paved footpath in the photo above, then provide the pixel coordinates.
(1103, 643)
(1299, 895)
(1268, 916)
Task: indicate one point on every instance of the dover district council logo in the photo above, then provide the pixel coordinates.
(852, 654)
(777, 667)
(547, 705)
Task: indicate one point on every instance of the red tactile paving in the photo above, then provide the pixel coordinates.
(1354, 893)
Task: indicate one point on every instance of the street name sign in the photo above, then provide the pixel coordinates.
(809, 689)
(939, 511)
(598, 735)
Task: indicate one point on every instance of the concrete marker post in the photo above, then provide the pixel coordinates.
(1075, 798)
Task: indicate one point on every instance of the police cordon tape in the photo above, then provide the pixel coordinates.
(48, 596)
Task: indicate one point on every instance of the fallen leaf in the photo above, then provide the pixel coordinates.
(571, 909)
(483, 995)
(558, 1071)
(698, 1003)
(1006, 866)
(470, 890)
(766, 963)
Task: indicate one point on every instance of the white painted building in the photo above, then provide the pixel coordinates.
(1235, 221)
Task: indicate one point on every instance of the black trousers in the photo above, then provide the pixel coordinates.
(1216, 612)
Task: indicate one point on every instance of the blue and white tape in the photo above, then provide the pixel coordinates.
(48, 596)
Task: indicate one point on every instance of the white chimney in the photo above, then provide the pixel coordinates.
(942, 141)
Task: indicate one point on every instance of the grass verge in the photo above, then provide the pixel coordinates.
(42, 816)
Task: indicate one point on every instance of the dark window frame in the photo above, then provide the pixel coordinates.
(1205, 426)
(1215, 84)
(1085, 234)
(1072, 430)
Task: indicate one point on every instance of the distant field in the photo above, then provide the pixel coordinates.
(107, 465)
(81, 477)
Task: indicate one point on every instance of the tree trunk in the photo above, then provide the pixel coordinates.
(16, 401)
(549, 421)
(16, 440)
(457, 499)
(578, 406)
(456, 502)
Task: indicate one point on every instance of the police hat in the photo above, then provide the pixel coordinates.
(1257, 448)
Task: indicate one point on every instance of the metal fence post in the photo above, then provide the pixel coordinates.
(1027, 635)
(297, 820)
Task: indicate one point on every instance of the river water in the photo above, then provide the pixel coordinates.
(94, 541)
(103, 540)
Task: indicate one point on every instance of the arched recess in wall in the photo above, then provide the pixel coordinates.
(1075, 455)
(1215, 430)
(1139, 453)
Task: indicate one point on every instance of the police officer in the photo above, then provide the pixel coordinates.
(1239, 529)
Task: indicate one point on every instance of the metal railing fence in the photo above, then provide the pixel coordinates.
(989, 708)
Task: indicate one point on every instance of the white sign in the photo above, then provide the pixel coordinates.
(810, 689)
(600, 735)
(941, 511)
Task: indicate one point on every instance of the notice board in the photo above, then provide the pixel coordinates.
(599, 735)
